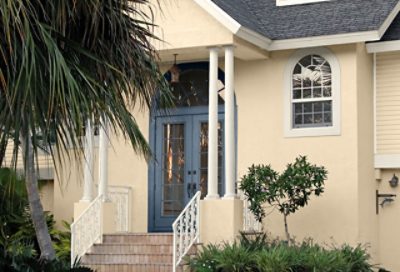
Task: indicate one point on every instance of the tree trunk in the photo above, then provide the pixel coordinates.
(47, 252)
(3, 148)
(286, 229)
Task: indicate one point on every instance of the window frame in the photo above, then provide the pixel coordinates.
(289, 129)
(297, 2)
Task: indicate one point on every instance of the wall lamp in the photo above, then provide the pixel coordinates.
(394, 182)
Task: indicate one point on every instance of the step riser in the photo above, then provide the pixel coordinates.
(134, 268)
(132, 249)
(126, 259)
(139, 239)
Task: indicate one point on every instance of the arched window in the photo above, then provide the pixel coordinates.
(312, 94)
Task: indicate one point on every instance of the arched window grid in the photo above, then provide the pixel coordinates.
(311, 93)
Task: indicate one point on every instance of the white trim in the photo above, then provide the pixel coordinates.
(387, 161)
(379, 47)
(296, 2)
(335, 129)
(232, 25)
(265, 43)
(388, 21)
(324, 40)
(374, 78)
(220, 15)
(254, 38)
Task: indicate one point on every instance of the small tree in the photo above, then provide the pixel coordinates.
(288, 191)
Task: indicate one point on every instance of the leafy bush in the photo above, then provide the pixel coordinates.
(261, 254)
(19, 249)
(288, 191)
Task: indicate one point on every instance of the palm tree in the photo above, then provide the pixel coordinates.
(63, 62)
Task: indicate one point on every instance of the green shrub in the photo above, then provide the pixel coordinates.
(260, 254)
(287, 191)
(19, 250)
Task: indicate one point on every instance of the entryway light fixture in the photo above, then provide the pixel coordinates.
(394, 182)
(175, 71)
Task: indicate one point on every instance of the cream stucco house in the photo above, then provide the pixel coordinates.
(260, 81)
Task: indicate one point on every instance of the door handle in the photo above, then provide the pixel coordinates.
(188, 187)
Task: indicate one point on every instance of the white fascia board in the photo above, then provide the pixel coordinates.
(324, 40)
(220, 15)
(388, 161)
(273, 45)
(232, 25)
(254, 38)
(379, 47)
(297, 2)
(388, 21)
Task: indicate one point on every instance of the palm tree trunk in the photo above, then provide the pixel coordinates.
(47, 252)
(3, 148)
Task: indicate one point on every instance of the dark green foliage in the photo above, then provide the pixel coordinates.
(288, 191)
(19, 249)
(260, 254)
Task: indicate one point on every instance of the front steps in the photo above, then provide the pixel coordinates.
(147, 252)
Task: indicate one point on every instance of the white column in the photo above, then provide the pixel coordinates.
(213, 127)
(88, 164)
(103, 159)
(230, 150)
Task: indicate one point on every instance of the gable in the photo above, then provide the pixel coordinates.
(184, 24)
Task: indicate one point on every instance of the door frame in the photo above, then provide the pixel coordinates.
(188, 111)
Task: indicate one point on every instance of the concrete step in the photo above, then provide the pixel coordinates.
(108, 258)
(135, 268)
(118, 248)
(139, 238)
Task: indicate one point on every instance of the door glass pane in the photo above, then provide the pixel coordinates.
(204, 157)
(192, 89)
(173, 169)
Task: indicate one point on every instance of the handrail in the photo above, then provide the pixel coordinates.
(87, 229)
(186, 230)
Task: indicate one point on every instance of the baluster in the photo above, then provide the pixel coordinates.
(192, 221)
(187, 218)
(181, 249)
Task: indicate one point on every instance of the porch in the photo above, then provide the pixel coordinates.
(219, 216)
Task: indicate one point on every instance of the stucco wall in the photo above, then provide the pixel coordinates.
(259, 92)
(184, 25)
(125, 168)
(389, 224)
(368, 221)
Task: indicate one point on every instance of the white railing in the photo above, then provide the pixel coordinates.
(250, 223)
(186, 230)
(121, 197)
(87, 229)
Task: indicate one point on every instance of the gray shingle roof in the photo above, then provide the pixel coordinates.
(308, 20)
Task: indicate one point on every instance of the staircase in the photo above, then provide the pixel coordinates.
(147, 252)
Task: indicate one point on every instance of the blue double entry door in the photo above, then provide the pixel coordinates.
(180, 165)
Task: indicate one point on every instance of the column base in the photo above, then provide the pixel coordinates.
(220, 221)
(212, 197)
(231, 196)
